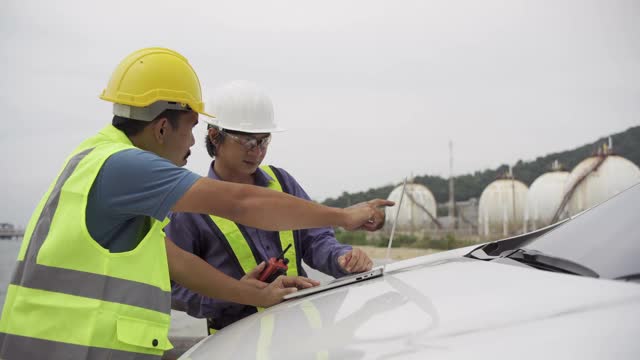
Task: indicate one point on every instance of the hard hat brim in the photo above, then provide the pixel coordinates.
(207, 115)
(241, 129)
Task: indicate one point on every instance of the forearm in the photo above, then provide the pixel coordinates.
(195, 274)
(183, 299)
(322, 249)
(257, 207)
(196, 305)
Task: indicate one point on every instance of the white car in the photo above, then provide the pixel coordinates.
(571, 293)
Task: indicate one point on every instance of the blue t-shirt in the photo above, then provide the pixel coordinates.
(133, 186)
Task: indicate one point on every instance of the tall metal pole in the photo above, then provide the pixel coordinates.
(451, 190)
(512, 223)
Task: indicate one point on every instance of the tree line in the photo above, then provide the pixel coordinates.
(625, 144)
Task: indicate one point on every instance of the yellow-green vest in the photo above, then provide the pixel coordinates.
(240, 245)
(247, 261)
(70, 298)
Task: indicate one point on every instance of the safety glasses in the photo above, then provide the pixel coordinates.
(249, 142)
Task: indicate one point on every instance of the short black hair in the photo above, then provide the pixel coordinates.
(133, 127)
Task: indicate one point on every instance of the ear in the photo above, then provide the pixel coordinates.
(160, 129)
(213, 134)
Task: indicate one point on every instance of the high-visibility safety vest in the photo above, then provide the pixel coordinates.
(248, 261)
(240, 245)
(69, 298)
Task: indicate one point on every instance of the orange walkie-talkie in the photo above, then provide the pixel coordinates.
(275, 267)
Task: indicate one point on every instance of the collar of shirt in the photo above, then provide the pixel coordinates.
(261, 177)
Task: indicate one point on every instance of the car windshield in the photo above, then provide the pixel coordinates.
(605, 238)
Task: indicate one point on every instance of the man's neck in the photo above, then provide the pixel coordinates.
(142, 142)
(227, 174)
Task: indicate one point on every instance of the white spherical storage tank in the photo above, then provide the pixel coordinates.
(412, 216)
(543, 199)
(606, 176)
(501, 208)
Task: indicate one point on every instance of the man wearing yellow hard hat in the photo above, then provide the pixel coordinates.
(92, 276)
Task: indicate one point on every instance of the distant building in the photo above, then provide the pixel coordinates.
(462, 225)
(544, 198)
(6, 226)
(501, 209)
(417, 211)
(597, 179)
(467, 214)
(9, 231)
(508, 207)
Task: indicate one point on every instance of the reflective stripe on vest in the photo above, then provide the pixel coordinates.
(286, 237)
(241, 248)
(239, 244)
(71, 299)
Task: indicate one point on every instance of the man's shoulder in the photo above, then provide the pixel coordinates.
(135, 155)
(134, 162)
(135, 172)
(184, 217)
(281, 172)
(289, 183)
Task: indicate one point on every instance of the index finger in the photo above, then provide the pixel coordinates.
(381, 202)
(299, 282)
(281, 293)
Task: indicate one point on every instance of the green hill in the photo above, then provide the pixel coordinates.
(626, 144)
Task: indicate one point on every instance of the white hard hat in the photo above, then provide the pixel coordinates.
(242, 106)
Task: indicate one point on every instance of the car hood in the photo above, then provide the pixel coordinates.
(444, 306)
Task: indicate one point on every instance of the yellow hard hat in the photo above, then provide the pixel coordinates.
(155, 74)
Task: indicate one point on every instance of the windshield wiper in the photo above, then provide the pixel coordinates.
(551, 263)
(630, 277)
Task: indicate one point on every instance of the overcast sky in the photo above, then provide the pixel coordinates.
(371, 91)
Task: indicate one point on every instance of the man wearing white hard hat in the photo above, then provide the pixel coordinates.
(238, 139)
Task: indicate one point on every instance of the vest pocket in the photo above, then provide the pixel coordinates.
(143, 333)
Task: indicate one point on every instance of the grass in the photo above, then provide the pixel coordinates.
(360, 238)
